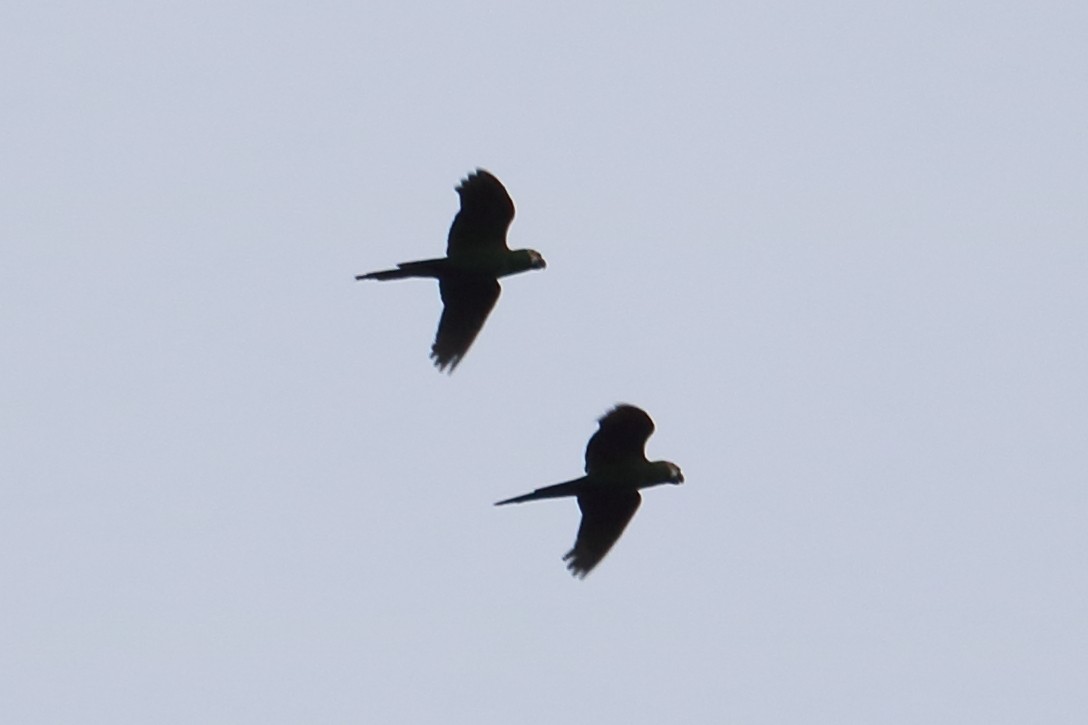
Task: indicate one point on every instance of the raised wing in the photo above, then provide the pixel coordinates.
(621, 438)
(605, 514)
(466, 305)
(486, 213)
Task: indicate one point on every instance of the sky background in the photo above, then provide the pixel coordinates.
(837, 250)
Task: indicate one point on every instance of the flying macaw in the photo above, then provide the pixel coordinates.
(616, 468)
(468, 276)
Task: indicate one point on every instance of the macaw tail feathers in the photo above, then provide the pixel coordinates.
(567, 488)
(422, 268)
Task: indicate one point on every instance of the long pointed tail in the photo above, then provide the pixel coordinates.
(422, 268)
(567, 488)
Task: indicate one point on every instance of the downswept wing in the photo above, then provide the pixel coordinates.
(466, 305)
(486, 213)
(605, 514)
(621, 438)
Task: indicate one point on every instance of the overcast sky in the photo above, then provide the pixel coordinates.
(837, 250)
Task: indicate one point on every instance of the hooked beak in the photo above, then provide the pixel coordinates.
(677, 474)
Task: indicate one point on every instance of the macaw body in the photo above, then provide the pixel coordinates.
(486, 264)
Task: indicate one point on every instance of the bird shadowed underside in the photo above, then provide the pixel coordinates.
(608, 495)
(477, 256)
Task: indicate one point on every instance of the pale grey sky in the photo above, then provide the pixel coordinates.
(838, 251)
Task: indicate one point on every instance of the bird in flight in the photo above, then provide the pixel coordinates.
(468, 276)
(616, 468)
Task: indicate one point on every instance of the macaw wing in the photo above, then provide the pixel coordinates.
(605, 514)
(621, 437)
(485, 215)
(466, 305)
